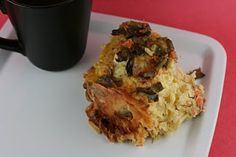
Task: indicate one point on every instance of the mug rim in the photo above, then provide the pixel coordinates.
(40, 6)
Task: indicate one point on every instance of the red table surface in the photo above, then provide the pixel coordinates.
(215, 18)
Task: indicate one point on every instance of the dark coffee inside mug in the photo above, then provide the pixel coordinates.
(52, 34)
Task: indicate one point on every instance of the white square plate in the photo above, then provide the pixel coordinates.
(42, 113)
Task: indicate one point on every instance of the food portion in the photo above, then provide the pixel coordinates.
(135, 89)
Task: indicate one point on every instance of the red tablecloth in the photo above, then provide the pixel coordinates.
(216, 18)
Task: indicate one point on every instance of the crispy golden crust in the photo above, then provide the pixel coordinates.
(105, 113)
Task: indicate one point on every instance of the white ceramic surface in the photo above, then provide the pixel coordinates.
(42, 113)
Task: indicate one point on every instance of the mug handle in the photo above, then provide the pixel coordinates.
(9, 44)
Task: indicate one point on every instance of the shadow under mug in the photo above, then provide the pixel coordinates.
(52, 34)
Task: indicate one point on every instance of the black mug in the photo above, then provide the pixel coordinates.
(52, 34)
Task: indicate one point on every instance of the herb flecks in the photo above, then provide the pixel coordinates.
(198, 72)
(150, 92)
(129, 66)
(125, 113)
(123, 55)
(106, 81)
(133, 29)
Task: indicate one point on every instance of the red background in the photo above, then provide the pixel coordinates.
(216, 18)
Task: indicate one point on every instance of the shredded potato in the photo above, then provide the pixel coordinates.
(140, 95)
